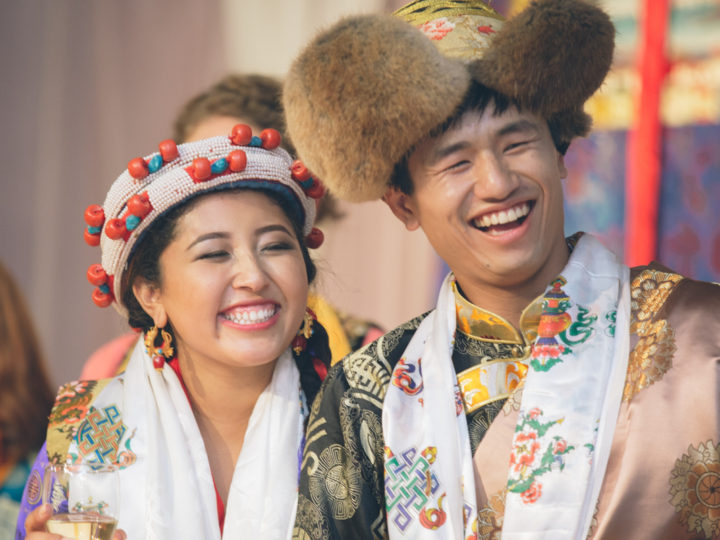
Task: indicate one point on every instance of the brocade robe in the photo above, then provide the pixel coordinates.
(663, 476)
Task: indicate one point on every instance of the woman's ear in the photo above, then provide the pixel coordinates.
(148, 296)
(402, 206)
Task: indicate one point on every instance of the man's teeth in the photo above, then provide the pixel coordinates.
(250, 316)
(503, 216)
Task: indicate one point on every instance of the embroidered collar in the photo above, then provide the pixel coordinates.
(479, 323)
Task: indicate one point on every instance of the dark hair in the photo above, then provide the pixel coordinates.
(477, 98)
(144, 261)
(25, 393)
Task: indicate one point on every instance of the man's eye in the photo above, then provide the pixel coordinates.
(515, 145)
(457, 165)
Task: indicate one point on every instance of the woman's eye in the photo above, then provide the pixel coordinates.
(219, 254)
(278, 246)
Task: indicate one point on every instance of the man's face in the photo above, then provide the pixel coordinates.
(488, 195)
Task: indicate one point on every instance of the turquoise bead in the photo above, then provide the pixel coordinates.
(155, 163)
(219, 166)
(94, 230)
(131, 222)
(255, 141)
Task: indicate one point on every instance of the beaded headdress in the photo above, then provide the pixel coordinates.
(366, 91)
(152, 185)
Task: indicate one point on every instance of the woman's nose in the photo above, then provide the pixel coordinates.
(249, 274)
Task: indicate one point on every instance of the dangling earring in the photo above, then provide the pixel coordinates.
(158, 354)
(306, 330)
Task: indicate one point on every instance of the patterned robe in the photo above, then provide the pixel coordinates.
(663, 476)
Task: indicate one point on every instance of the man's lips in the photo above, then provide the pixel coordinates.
(251, 314)
(506, 218)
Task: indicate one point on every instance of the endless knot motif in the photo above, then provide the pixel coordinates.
(409, 484)
(99, 436)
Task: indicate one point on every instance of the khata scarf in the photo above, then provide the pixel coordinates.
(565, 427)
(166, 484)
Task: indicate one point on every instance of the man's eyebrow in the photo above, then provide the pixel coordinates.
(443, 151)
(518, 126)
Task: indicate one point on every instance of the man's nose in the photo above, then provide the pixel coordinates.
(493, 179)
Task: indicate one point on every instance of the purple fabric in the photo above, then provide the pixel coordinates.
(32, 495)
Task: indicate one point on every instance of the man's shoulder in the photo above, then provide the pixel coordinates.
(366, 372)
(658, 291)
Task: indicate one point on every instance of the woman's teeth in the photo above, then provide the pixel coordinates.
(250, 316)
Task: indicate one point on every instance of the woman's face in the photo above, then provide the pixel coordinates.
(233, 281)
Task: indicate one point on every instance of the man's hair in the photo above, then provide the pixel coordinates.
(477, 99)
(254, 98)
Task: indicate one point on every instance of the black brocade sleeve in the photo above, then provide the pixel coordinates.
(341, 480)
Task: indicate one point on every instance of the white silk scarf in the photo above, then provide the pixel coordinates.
(167, 489)
(569, 407)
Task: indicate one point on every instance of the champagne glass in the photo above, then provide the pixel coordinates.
(84, 498)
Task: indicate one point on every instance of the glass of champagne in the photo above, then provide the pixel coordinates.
(85, 499)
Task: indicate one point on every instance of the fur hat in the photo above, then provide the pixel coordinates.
(362, 94)
(151, 186)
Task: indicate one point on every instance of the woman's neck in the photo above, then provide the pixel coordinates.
(222, 399)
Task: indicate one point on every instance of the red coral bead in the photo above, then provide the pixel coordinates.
(299, 171)
(270, 138)
(158, 362)
(317, 190)
(96, 275)
(241, 134)
(139, 206)
(201, 168)
(101, 299)
(91, 239)
(137, 168)
(94, 215)
(237, 160)
(115, 229)
(168, 150)
(315, 239)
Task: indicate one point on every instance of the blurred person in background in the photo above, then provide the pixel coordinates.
(25, 399)
(254, 100)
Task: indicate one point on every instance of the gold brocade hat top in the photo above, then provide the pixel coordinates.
(460, 29)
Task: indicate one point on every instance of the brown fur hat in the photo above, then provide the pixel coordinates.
(365, 92)
(361, 94)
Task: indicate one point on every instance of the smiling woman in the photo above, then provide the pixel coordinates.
(205, 249)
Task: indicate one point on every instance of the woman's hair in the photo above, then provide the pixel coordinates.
(144, 262)
(25, 393)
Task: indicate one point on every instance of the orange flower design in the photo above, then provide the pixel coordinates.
(695, 489)
(532, 494)
(437, 29)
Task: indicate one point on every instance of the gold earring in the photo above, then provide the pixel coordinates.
(159, 354)
(306, 330)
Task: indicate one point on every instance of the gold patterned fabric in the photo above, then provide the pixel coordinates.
(663, 475)
(460, 29)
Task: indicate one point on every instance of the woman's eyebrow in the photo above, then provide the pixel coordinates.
(209, 236)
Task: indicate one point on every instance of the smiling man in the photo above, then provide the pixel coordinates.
(553, 392)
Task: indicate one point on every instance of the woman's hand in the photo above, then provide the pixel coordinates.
(36, 530)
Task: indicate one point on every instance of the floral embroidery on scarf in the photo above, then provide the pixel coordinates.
(490, 518)
(555, 322)
(533, 454)
(695, 489)
(411, 488)
(405, 375)
(652, 356)
(437, 28)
